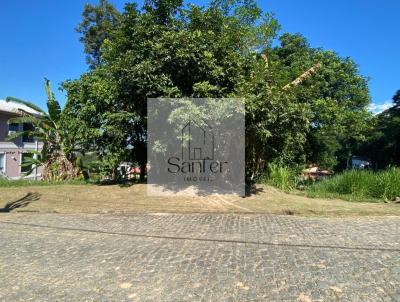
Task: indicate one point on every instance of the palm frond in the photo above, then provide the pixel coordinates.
(29, 172)
(13, 136)
(24, 119)
(31, 162)
(30, 133)
(53, 106)
(34, 152)
(26, 103)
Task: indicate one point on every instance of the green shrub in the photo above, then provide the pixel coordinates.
(388, 184)
(282, 177)
(359, 185)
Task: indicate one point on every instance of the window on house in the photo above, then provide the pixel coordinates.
(13, 127)
(26, 164)
(28, 138)
(2, 162)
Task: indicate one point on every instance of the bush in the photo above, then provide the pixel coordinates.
(360, 185)
(282, 177)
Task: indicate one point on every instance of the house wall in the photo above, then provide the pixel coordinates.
(4, 117)
(13, 150)
(13, 157)
(12, 162)
(3, 126)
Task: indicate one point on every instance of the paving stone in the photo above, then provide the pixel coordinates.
(197, 257)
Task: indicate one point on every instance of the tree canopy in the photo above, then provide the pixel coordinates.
(167, 49)
(383, 143)
(96, 26)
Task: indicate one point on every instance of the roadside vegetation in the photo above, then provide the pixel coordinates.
(356, 185)
(350, 185)
(67, 198)
(281, 177)
(303, 104)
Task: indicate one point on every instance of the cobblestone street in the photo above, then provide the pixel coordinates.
(198, 257)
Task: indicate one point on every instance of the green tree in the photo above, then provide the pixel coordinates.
(167, 49)
(337, 96)
(383, 145)
(276, 124)
(96, 26)
(396, 100)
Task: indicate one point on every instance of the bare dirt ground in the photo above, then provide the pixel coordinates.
(116, 199)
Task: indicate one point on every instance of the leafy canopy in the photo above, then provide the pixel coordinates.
(167, 49)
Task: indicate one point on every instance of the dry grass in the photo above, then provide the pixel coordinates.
(111, 199)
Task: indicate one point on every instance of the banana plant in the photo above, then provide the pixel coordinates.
(56, 155)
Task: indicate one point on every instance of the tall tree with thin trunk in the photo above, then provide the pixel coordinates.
(96, 26)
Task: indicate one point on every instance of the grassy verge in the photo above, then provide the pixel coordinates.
(116, 199)
(5, 183)
(357, 185)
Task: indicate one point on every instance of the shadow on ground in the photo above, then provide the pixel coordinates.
(21, 202)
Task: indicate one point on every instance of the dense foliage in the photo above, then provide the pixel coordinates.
(167, 49)
(383, 144)
(359, 185)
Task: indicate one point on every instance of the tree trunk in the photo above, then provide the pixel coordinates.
(143, 171)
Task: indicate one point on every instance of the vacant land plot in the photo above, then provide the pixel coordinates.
(116, 199)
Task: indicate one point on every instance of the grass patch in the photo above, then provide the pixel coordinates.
(134, 199)
(281, 177)
(5, 183)
(356, 185)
